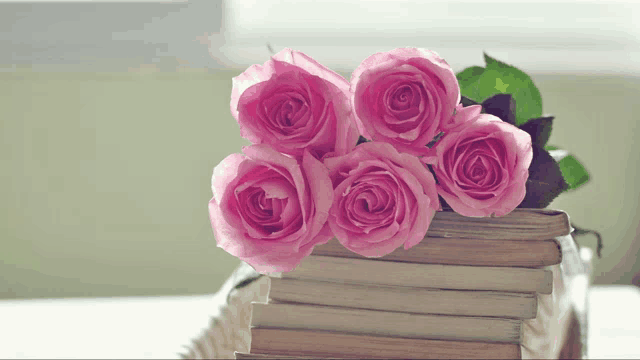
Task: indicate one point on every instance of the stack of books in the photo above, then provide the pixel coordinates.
(463, 292)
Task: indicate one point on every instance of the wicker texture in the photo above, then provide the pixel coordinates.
(229, 331)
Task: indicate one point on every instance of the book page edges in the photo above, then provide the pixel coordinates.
(433, 250)
(291, 342)
(547, 286)
(324, 318)
(341, 270)
(396, 298)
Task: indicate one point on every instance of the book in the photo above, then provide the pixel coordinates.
(386, 323)
(520, 224)
(455, 277)
(405, 299)
(253, 356)
(320, 344)
(459, 251)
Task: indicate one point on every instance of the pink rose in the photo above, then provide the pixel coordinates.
(382, 199)
(402, 96)
(482, 167)
(294, 103)
(270, 209)
(461, 116)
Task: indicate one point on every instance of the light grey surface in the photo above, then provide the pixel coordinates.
(597, 119)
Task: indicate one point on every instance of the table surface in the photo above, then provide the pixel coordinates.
(160, 327)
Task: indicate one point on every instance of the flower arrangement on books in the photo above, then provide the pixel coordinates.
(397, 215)
(371, 161)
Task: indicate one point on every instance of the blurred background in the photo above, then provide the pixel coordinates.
(113, 115)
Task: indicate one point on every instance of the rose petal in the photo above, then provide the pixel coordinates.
(312, 67)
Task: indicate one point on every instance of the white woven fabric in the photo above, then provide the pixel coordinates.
(229, 331)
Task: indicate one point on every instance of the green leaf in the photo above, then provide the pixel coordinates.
(539, 129)
(469, 75)
(545, 180)
(468, 80)
(489, 60)
(500, 78)
(500, 86)
(465, 101)
(502, 106)
(573, 172)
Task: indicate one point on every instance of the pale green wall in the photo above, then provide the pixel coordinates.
(106, 177)
(105, 183)
(597, 118)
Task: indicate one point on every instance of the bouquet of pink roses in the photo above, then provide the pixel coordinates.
(371, 161)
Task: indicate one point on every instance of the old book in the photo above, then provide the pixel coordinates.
(386, 323)
(320, 344)
(457, 251)
(405, 299)
(254, 356)
(520, 224)
(455, 277)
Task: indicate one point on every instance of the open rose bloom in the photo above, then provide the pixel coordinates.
(382, 199)
(293, 103)
(403, 96)
(482, 165)
(270, 209)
